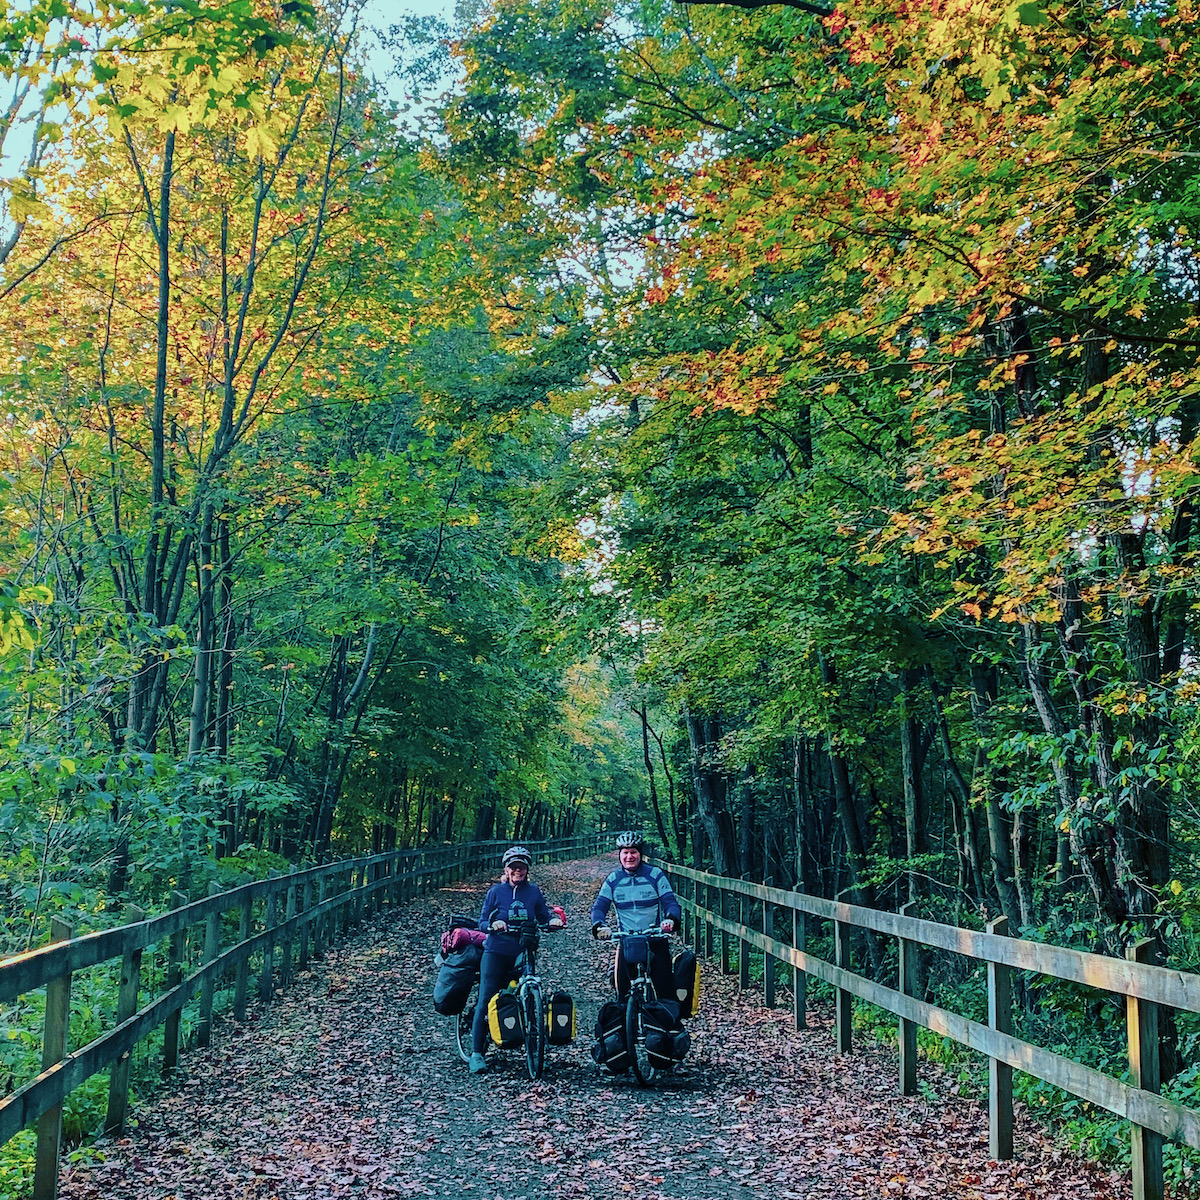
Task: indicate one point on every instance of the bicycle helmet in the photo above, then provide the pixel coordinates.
(517, 854)
(629, 840)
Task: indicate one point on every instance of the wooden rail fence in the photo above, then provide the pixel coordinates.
(745, 912)
(283, 922)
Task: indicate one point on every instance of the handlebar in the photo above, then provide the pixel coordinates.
(526, 926)
(654, 931)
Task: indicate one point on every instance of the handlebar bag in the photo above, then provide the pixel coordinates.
(610, 1051)
(687, 983)
(635, 950)
(560, 1020)
(504, 1020)
(455, 977)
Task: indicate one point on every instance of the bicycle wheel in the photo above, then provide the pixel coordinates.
(462, 1031)
(635, 1041)
(534, 1014)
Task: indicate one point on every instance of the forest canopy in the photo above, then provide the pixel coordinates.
(773, 425)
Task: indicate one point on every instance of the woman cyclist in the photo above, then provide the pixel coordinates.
(642, 897)
(513, 900)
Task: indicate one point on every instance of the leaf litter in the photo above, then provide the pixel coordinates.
(349, 1085)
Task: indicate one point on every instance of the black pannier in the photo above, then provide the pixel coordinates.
(504, 1020)
(560, 1020)
(610, 1051)
(455, 977)
(687, 982)
(667, 1042)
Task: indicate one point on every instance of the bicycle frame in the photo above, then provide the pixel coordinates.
(641, 990)
(533, 1007)
(528, 985)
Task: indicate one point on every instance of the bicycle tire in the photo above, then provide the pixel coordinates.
(635, 1041)
(534, 1013)
(463, 1024)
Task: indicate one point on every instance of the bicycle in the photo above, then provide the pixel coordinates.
(464, 1020)
(529, 995)
(636, 953)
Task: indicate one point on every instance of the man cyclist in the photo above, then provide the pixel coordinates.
(513, 900)
(642, 897)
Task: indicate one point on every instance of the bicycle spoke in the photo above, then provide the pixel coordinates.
(535, 1031)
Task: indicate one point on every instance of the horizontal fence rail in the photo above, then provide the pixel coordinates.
(280, 919)
(706, 899)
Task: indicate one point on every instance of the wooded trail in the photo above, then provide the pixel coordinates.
(350, 1085)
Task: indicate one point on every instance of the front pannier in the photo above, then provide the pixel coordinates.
(560, 1020)
(457, 973)
(504, 1020)
(687, 983)
(610, 1051)
(667, 1042)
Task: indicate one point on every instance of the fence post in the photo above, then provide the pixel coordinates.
(841, 955)
(174, 978)
(726, 967)
(289, 911)
(127, 998)
(241, 986)
(54, 1050)
(1141, 1023)
(1000, 1111)
(345, 910)
(743, 947)
(266, 980)
(768, 928)
(319, 921)
(306, 898)
(907, 979)
(212, 947)
(708, 925)
(799, 977)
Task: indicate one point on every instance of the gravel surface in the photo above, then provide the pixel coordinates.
(350, 1085)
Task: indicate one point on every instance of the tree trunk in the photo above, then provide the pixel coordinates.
(704, 735)
(746, 824)
(984, 690)
(912, 764)
(646, 758)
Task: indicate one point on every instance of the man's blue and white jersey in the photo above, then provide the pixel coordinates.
(641, 899)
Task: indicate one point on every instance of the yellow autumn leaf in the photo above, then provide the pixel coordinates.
(174, 117)
(260, 143)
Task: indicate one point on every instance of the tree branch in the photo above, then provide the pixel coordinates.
(817, 10)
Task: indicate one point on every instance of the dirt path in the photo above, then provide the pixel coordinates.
(351, 1086)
